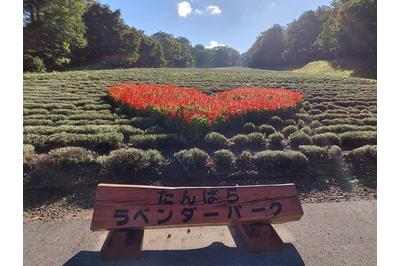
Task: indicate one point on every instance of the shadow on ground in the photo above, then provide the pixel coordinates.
(215, 254)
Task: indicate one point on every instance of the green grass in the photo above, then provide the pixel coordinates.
(72, 109)
(325, 68)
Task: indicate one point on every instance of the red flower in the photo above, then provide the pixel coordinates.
(185, 103)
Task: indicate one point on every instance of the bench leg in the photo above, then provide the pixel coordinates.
(122, 245)
(256, 237)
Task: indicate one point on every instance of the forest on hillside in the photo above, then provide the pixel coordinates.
(70, 34)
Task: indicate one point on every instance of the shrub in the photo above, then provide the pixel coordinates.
(62, 166)
(331, 115)
(343, 128)
(36, 111)
(224, 159)
(364, 160)
(216, 139)
(103, 141)
(240, 140)
(303, 116)
(276, 139)
(306, 105)
(29, 150)
(245, 159)
(369, 121)
(280, 161)
(290, 122)
(299, 138)
(35, 140)
(154, 130)
(315, 112)
(38, 122)
(266, 129)
(300, 123)
(130, 161)
(320, 153)
(192, 159)
(315, 124)
(33, 64)
(326, 139)
(156, 140)
(86, 129)
(322, 159)
(128, 130)
(313, 152)
(143, 122)
(276, 122)
(154, 158)
(249, 127)
(320, 107)
(338, 121)
(256, 139)
(29, 159)
(356, 139)
(72, 158)
(306, 130)
(335, 151)
(289, 130)
(92, 115)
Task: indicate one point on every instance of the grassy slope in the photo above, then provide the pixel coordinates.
(325, 68)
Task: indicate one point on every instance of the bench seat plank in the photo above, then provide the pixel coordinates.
(139, 207)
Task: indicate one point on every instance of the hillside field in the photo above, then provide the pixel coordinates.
(74, 134)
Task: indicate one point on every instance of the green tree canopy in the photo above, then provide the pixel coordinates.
(110, 40)
(177, 51)
(267, 51)
(351, 29)
(52, 29)
(202, 56)
(151, 53)
(302, 34)
(224, 56)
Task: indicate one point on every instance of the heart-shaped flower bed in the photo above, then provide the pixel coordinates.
(188, 103)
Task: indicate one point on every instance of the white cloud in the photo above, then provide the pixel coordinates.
(184, 9)
(214, 44)
(198, 11)
(214, 10)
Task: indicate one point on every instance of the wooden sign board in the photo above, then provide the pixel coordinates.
(139, 207)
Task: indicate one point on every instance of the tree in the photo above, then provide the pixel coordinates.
(202, 56)
(185, 58)
(177, 51)
(52, 29)
(110, 41)
(245, 59)
(225, 57)
(151, 53)
(302, 35)
(268, 49)
(351, 30)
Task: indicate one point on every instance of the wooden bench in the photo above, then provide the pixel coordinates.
(249, 211)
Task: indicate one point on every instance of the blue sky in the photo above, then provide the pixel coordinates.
(235, 23)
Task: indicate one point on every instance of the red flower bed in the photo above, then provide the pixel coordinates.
(186, 103)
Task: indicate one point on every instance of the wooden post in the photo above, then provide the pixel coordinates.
(125, 244)
(256, 237)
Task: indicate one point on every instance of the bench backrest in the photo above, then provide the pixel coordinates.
(133, 206)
